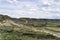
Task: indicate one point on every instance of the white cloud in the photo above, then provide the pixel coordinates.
(46, 9)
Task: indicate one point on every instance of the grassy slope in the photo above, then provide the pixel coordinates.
(28, 34)
(28, 29)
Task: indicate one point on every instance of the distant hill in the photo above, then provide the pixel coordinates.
(30, 21)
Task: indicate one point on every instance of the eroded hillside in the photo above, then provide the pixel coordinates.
(29, 28)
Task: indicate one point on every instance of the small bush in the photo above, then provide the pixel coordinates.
(58, 26)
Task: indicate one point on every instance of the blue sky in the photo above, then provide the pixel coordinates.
(31, 8)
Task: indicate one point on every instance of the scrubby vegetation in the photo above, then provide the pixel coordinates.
(29, 29)
(15, 35)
